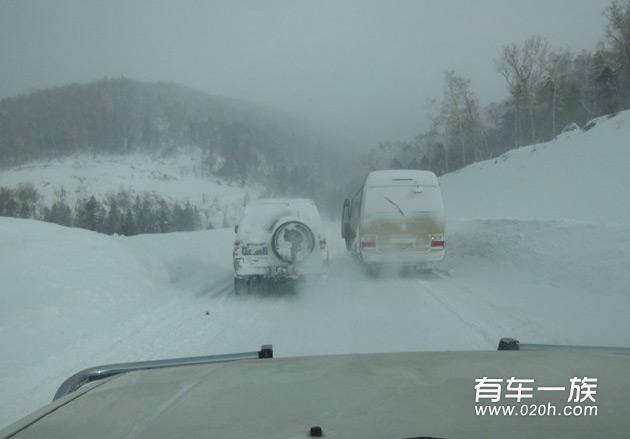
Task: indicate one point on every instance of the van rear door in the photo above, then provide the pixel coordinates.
(402, 217)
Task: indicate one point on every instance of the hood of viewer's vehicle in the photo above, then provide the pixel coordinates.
(397, 395)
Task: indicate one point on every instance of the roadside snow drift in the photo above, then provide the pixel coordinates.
(60, 287)
(579, 176)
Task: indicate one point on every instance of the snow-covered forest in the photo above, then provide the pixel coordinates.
(551, 90)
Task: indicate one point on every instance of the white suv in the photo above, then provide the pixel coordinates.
(279, 238)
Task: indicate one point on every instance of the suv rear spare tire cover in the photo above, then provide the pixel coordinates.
(292, 241)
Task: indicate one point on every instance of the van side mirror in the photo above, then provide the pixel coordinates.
(346, 210)
(236, 228)
(345, 219)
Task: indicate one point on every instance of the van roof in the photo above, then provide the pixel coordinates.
(289, 201)
(402, 177)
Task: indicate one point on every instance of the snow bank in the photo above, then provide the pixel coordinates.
(68, 283)
(72, 298)
(59, 288)
(579, 176)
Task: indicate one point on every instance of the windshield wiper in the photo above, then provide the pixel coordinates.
(396, 205)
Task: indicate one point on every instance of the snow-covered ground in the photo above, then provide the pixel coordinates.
(538, 249)
(580, 176)
(176, 177)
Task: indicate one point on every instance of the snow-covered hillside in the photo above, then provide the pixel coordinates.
(538, 249)
(176, 178)
(580, 176)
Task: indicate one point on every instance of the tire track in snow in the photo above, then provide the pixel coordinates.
(502, 318)
(489, 338)
(225, 289)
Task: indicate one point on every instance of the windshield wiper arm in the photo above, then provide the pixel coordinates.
(396, 205)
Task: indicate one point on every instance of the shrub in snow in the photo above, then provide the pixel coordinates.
(571, 127)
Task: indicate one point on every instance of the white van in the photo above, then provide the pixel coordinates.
(279, 238)
(397, 218)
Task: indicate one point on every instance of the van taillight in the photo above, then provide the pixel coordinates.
(437, 243)
(237, 247)
(368, 243)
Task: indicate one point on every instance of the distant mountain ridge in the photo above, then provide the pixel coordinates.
(240, 141)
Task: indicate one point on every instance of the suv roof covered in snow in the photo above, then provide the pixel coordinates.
(395, 395)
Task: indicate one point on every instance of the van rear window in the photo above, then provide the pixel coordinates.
(402, 200)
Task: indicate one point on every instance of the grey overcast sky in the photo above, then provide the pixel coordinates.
(362, 68)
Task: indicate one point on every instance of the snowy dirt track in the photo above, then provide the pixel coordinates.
(555, 271)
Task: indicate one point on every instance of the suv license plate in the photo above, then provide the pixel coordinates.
(255, 250)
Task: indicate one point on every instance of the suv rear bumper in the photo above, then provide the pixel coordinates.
(278, 271)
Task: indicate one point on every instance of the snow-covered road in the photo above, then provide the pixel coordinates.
(534, 280)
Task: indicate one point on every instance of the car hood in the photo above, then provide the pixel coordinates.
(396, 395)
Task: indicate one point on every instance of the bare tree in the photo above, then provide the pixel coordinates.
(523, 67)
(557, 68)
(618, 36)
(459, 118)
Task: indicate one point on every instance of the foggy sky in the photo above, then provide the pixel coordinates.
(362, 69)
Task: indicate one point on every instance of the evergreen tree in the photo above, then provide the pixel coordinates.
(607, 91)
(163, 217)
(8, 202)
(59, 212)
(178, 218)
(128, 226)
(90, 215)
(26, 196)
(114, 219)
